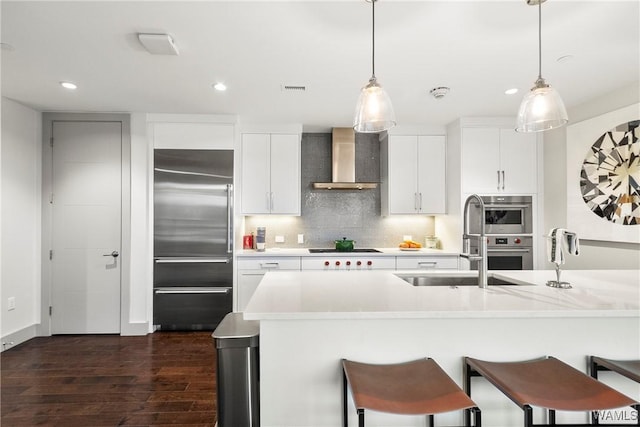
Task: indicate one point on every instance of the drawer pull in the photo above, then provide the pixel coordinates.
(427, 264)
(270, 265)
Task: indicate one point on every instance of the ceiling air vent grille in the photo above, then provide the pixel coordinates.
(293, 88)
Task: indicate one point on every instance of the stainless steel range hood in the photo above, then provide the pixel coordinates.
(343, 172)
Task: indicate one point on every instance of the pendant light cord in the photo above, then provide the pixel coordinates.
(540, 39)
(373, 38)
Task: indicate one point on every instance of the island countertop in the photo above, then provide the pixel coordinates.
(381, 294)
(311, 320)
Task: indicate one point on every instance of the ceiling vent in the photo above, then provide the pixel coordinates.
(293, 88)
(158, 44)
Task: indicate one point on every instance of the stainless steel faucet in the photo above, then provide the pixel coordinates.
(481, 256)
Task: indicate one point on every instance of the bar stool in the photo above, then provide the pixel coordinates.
(547, 383)
(627, 368)
(419, 387)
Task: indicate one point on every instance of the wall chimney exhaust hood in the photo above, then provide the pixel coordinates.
(343, 171)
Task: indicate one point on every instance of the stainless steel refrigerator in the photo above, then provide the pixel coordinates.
(193, 238)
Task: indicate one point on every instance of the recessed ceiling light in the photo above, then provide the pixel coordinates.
(220, 87)
(68, 85)
(511, 91)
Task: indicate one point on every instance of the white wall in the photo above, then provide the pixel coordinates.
(140, 272)
(593, 254)
(20, 221)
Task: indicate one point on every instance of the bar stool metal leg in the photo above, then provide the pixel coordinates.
(345, 413)
(528, 416)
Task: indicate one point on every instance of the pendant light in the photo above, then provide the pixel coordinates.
(542, 108)
(374, 112)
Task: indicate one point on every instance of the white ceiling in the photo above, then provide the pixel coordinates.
(478, 48)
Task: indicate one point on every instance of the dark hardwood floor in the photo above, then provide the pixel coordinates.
(165, 378)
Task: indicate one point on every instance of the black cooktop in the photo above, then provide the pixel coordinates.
(330, 251)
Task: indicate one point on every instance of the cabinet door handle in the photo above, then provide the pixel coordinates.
(271, 201)
(420, 201)
(415, 202)
(268, 200)
(498, 179)
(503, 180)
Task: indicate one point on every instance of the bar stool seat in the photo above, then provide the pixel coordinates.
(547, 383)
(418, 387)
(628, 368)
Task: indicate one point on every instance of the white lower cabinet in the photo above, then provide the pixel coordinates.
(427, 263)
(251, 270)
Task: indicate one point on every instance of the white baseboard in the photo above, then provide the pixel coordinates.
(18, 337)
(135, 328)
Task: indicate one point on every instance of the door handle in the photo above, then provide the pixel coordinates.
(113, 254)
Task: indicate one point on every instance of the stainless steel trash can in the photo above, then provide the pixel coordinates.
(238, 374)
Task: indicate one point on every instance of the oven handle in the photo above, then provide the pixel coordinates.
(509, 250)
(191, 290)
(505, 206)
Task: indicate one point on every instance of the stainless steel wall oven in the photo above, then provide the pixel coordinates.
(509, 228)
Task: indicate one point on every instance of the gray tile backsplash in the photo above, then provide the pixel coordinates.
(328, 215)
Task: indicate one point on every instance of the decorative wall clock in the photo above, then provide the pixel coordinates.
(610, 175)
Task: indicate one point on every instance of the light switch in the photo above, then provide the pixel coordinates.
(407, 237)
(300, 238)
(279, 239)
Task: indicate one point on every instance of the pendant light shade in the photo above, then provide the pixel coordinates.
(542, 108)
(374, 111)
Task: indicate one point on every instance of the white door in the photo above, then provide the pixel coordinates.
(518, 154)
(285, 174)
(481, 160)
(86, 224)
(432, 174)
(403, 174)
(256, 169)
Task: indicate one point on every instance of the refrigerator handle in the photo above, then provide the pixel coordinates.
(229, 218)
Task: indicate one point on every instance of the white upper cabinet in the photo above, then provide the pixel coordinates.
(192, 131)
(413, 174)
(270, 174)
(498, 160)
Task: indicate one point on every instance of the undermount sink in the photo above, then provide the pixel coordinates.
(435, 280)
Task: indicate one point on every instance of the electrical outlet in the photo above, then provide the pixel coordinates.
(11, 303)
(279, 239)
(300, 238)
(407, 237)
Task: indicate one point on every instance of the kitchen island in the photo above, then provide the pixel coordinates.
(310, 320)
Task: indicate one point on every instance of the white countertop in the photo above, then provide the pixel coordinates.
(381, 294)
(272, 252)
